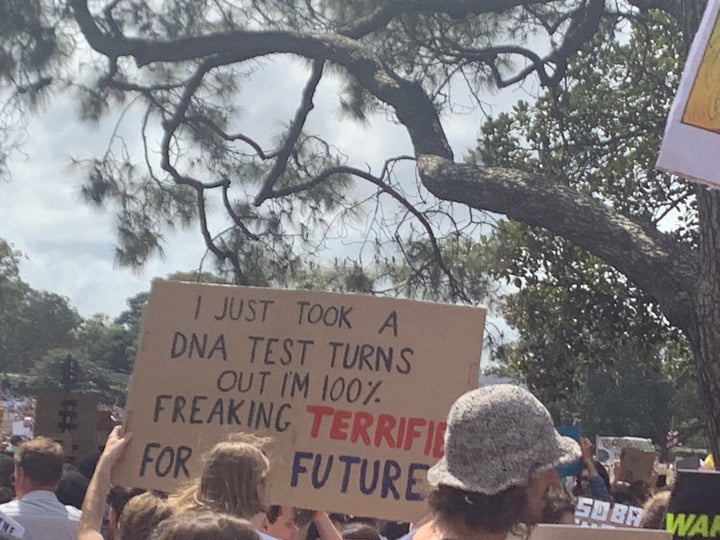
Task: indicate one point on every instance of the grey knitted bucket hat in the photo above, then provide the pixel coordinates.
(496, 436)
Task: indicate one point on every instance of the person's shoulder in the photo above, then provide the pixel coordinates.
(73, 513)
(9, 507)
(265, 536)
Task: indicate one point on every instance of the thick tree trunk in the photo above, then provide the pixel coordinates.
(706, 339)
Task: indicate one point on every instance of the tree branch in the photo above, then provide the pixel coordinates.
(652, 260)
(294, 132)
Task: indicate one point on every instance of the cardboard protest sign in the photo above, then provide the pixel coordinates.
(594, 513)
(10, 528)
(608, 448)
(568, 532)
(72, 418)
(19, 427)
(353, 389)
(691, 463)
(636, 465)
(694, 508)
(692, 134)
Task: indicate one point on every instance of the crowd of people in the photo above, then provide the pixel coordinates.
(497, 478)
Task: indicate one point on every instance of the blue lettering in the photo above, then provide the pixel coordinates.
(410, 495)
(297, 467)
(320, 482)
(348, 461)
(388, 481)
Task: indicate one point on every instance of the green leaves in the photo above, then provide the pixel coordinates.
(582, 325)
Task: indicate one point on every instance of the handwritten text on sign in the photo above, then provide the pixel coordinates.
(354, 389)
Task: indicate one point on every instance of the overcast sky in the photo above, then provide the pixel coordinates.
(69, 247)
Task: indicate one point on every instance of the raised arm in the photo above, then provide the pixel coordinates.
(93, 506)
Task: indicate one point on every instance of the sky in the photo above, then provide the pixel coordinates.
(68, 247)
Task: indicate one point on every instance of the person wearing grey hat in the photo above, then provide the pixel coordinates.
(501, 451)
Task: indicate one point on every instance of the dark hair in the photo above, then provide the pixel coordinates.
(7, 467)
(462, 513)
(205, 526)
(7, 494)
(558, 503)
(118, 497)
(602, 473)
(71, 488)
(359, 530)
(273, 513)
(41, 460)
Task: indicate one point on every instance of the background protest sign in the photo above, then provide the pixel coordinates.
(608, 448)
(692, 134)
(593, 513)
(694, 507)
(70, 418)
(353, 389)
(568, 532)
(636, 465)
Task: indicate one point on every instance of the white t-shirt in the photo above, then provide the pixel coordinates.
(43, 516)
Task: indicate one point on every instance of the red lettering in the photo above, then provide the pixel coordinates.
(412, 433)
(318, 411)
(338, 429)
(385, 423)
(361, 422)
(439, 446)
(400, 432)
(429, 440)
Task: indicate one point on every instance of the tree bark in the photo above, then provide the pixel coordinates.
(704, 335)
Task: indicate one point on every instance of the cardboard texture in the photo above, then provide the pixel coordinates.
(608, 448)
(692, 135)
(69, 417)
(354, 390)
(568, 532)
(593, 513)
(694, 508)
(636, 465)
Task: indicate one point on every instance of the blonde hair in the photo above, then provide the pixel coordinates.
(141, 515)
(206, 526)
(231, 474)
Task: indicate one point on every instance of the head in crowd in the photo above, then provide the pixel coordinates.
(205, 526)
(7, 467)
(7, 494)
(654, 510)
(359, 530)
(38, 465)
(280, 523)
(559, 507)
(395, 529)
(141, 516)
(15, 442)
(233, 479)
(582, 485)
(634, 494)
(71, 488)
(501, 450)
(117, 498)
